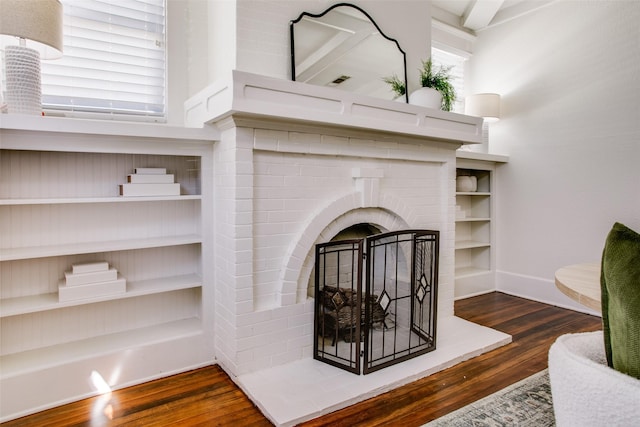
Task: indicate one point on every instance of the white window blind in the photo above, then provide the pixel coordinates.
(443, 58)
(113, 62)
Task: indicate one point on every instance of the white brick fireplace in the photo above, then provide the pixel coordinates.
(295, 165)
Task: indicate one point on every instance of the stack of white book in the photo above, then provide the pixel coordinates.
(150, 182)
(90, 280)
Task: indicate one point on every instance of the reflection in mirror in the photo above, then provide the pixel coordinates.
(344, 48)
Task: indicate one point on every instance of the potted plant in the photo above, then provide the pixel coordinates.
(437, 90)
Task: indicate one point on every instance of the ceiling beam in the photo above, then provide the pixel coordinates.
(480, 13)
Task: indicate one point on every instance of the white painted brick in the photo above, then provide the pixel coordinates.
(244, 295)
(324, 149)
(285, 216)
(290, 277)
(243, 180)
(244, 281)
(269, 204)
(301, 341)
(243, 205)
(244, 193)
(285, 312)
(360, 172)
(288, 299)
(324, 170)
(278, 241)
(289, 288)
(254, 317)
(288, 356)
(266, 144)
(243, 231)
(269, 180)
(269, 229)
(244, 332)
(283, 169)
(243, 244)
(275, 231)
(277, 326)
(244, 307)
(297, 320)
(293, 146)
(245, 357)
(269, 276)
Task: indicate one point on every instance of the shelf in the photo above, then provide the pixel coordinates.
(44, 302)
(470, 244)
(78, 200)
(473, 193)
(52, 356)
(110, 128)
(487, 157)
(11, 254)
(470, 271)
(473, 220)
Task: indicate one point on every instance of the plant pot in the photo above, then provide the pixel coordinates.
(426, 97)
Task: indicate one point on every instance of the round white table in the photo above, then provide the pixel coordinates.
(581, 283)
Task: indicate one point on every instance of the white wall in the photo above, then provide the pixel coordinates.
(568, 74)
(253, 36)
(263, 31)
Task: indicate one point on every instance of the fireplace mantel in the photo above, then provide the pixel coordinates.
(249, 95)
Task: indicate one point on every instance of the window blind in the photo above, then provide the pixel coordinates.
(114, 59)
(443, 58)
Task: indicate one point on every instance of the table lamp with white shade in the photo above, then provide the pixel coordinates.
(487, 106)
(29, 30)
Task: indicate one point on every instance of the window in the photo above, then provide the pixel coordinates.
(443, 58)
(114, 60)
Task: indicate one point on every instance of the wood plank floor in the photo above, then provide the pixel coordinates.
(208, 397)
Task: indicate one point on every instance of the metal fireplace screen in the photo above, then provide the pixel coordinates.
(391, 317)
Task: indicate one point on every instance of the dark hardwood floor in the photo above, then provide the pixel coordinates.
(208, 397)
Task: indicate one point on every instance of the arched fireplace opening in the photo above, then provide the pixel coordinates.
(356, 231)
(375, 298)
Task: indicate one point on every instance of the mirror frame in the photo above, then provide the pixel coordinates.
(320, 15)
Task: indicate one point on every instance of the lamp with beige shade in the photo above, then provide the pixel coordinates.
(30, 30)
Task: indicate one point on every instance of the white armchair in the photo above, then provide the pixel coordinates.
(585, 391)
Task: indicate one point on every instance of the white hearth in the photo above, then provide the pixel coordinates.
(295, 165)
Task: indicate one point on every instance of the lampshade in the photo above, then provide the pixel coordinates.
(29, 30)
(485, 105)
(38, 22)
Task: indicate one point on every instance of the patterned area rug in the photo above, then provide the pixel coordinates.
(525, 403)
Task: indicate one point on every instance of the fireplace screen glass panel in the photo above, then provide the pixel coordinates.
(390, 317)
(338, 298)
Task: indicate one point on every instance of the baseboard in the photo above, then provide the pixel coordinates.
(537, 289)
(474, 294)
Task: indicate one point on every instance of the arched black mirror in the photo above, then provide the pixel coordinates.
(344, 48)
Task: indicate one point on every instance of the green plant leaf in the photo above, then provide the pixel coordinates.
(439, 80)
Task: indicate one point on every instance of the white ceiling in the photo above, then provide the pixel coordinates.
(477, 14)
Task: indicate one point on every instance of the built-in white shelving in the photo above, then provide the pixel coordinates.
(59, 206)
(475, 225)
